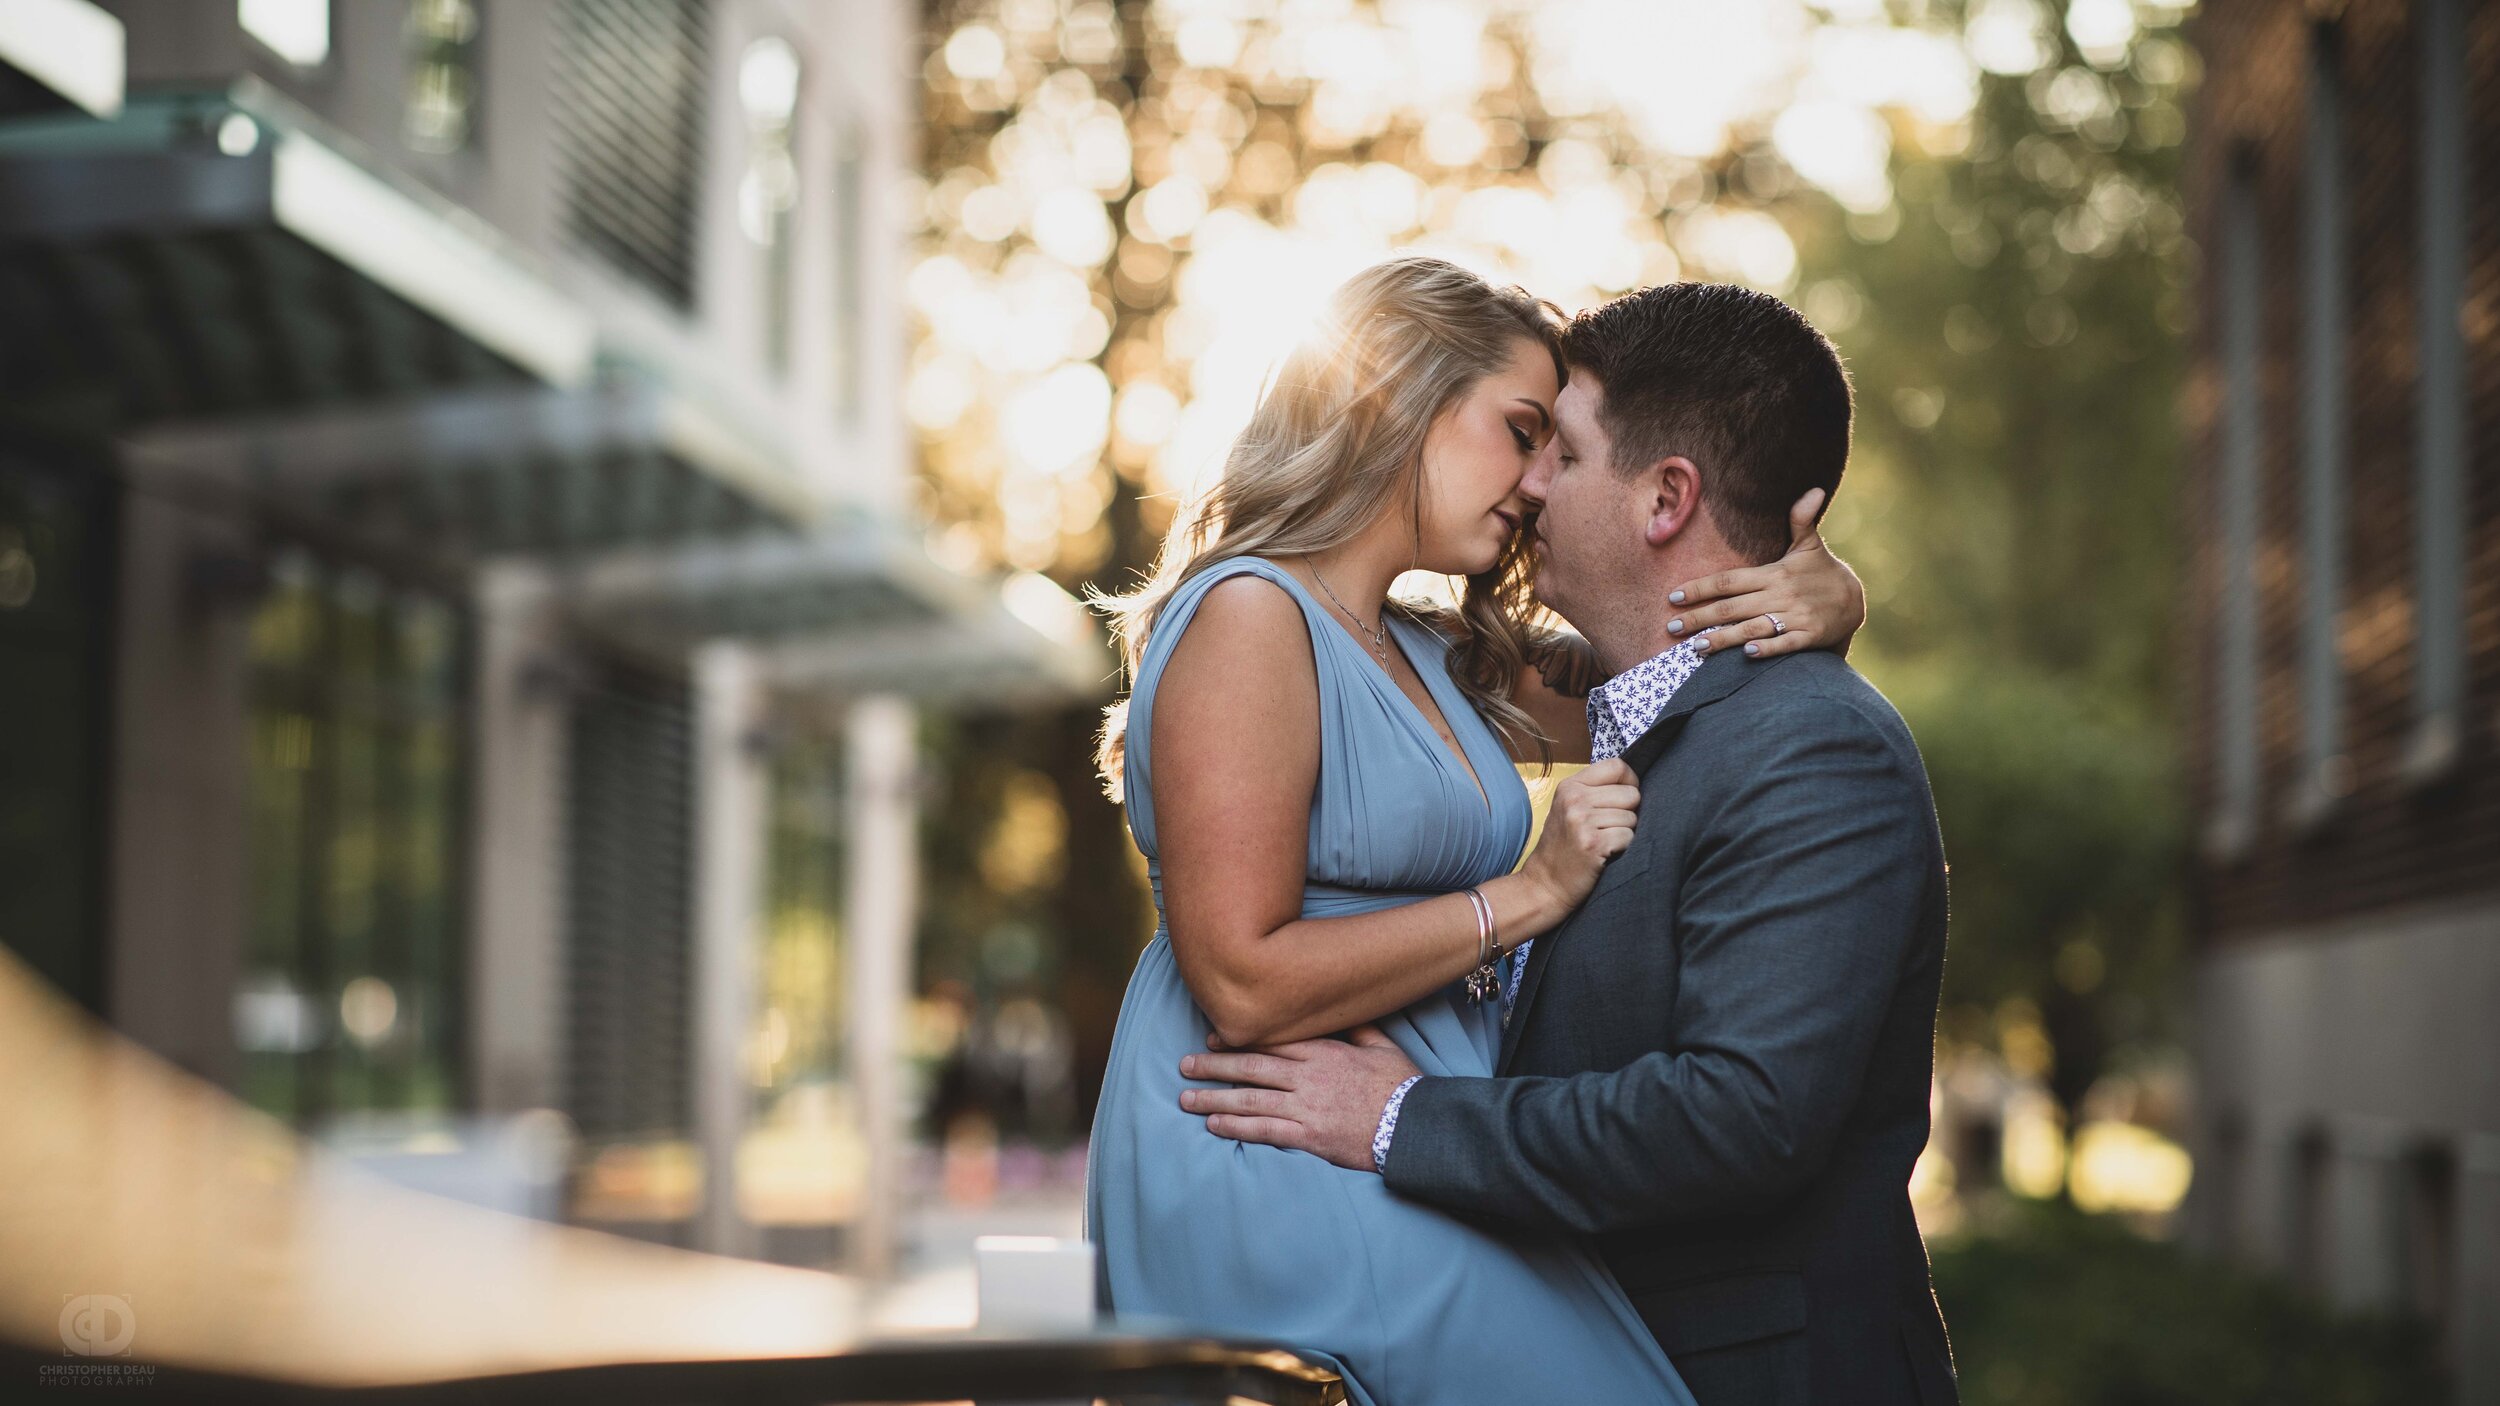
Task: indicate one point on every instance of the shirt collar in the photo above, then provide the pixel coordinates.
(1627, 705)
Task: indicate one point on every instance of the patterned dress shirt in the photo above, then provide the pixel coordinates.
(1620, 710)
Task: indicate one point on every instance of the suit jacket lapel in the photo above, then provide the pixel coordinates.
(1718, 677)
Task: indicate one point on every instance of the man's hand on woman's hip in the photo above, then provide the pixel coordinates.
(1317, 1096)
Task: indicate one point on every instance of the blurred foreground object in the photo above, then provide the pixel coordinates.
(155, 1228)
(1035, 1283)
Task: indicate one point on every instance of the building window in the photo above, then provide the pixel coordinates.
(2221, 1188)
(629, 921)
(626, 106)
(850, 273)
(2426, 1248)
(2324, 288)
(297, 31)
(2439, 437)
(2233, 826)
(442, 74)
(350, 1000)
(56, 560)
(2309, 1227)
(768, 194)
(803, 1163)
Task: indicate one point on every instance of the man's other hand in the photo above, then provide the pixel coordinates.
(1319, 1096)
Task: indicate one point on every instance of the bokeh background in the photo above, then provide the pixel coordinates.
(541, 549)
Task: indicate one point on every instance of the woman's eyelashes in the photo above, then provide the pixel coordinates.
(1527, 441)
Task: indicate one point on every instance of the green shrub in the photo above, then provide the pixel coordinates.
(2062, 1309)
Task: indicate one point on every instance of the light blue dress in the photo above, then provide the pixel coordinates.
(1416, 1307)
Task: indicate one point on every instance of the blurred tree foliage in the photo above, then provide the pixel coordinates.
(2061, 1309)
(2015, 324)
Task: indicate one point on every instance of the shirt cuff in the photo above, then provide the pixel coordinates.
(1389, 1123)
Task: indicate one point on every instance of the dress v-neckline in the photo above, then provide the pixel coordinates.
(1465, 759)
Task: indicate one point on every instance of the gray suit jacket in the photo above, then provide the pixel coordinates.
(1718, 1068)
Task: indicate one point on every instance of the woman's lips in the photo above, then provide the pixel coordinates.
(1508, 520)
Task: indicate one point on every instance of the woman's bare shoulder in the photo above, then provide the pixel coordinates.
(1246, 629)
(1238, 703)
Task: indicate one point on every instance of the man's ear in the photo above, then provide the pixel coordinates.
(1674, 486)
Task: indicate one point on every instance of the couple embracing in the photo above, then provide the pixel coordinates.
(1631, 1118)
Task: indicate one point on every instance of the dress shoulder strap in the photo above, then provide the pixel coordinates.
(1163, 636)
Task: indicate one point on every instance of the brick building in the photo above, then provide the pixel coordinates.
(2344, 613)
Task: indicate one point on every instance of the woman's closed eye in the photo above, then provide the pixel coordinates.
(1527, 442)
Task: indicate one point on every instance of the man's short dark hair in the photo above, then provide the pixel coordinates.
(1735, 380)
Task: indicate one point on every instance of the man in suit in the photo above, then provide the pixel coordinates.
(1718, 1068)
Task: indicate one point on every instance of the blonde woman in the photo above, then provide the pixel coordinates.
(1322, 780)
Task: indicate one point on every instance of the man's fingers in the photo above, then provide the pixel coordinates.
(1370, 1037)
(1299, 1049)
(1265, 1070)
(1261, 1103)
(1272, 1132)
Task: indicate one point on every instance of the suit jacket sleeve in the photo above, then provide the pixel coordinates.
(1799, 910)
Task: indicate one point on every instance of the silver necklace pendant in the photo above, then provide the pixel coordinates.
(1378, 638)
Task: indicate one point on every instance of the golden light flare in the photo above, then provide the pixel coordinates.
(1131, 213)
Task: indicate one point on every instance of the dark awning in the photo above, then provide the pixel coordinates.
(208, 255)
(856, 607)
(494, 471)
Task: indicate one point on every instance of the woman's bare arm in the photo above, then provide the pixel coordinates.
(1553, 689)
(1236, 760)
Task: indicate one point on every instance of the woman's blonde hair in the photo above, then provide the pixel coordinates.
(1337, 440)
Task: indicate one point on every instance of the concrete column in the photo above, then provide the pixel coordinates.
(730, 798)
(518, 718)
(2477, 1292)
(883, 886)
(180, 772)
